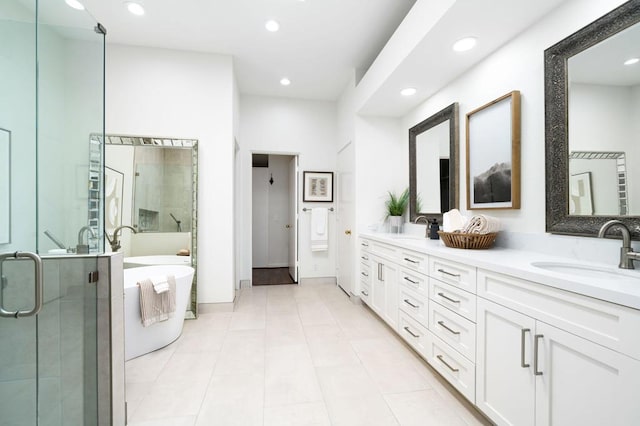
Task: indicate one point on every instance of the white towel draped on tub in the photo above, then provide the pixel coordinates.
(154, 306)
(319, 229)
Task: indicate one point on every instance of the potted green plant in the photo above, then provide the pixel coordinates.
(396, 206)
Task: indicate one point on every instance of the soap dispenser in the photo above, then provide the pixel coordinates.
(433, 230)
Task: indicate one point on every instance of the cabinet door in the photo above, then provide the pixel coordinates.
(390, 278)
(505, 390)
(583, 383)
(378, 295)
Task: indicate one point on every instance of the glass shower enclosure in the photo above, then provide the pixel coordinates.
(51, 99)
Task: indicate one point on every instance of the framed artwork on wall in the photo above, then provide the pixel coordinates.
(317, 187)
(493, 154)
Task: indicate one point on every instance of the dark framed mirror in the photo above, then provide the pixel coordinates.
(592, 100)
(434, 165)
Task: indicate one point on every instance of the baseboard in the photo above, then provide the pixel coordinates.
(210, 308)
(318, 280)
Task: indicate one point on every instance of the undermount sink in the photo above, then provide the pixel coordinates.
(585, 270)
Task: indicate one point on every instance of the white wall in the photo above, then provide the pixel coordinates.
(160, 92)
(382, 165)
(288, 127)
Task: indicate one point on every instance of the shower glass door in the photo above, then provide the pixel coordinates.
(51, 99)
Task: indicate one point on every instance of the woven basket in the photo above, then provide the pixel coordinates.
(467, 241)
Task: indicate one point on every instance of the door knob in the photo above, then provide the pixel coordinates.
(347, 232)
(287, 226)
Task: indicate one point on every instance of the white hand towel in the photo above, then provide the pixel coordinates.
(482, 224)
(319, 229)
(453, 221)
(160, 284)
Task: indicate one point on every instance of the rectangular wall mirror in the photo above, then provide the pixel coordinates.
(151, 184)
(5, 186)
(592, 101)
(433, 165)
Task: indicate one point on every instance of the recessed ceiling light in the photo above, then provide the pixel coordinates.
(632, 61)
(272, 26)
(465, 44)
(74, 4)
(285, 81)
(409, 91)
(135, 8)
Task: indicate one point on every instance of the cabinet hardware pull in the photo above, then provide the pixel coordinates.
(379, 273)
(448, 273)
(443, 325)
(364, 257)
(444, 296)
(455, 370)
(410, 332)
(364, 244)
(365, 293)
(535, 354)
(410, 304)
(365, 274)
(411, 281)
(409, 260)
(522, 342)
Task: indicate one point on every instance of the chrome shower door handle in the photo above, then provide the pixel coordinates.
(38, 284)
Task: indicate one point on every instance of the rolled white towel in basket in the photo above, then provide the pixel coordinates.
(482, 224)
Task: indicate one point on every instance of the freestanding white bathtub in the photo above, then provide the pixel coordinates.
(139, 340)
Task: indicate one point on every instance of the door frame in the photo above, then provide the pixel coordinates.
(249, 166)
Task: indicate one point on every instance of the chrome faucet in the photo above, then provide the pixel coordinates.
(83, 248)
(627, 255)
(115, 243)
(426, 221)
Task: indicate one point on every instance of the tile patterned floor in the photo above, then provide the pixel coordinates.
(290, 355)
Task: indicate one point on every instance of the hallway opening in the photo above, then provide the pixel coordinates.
(274, 219)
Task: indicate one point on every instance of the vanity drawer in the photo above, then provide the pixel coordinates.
(414, 260)
(455, 368)
(365, 272)
(454, 273)
(414, 304)
(385, 250)
(413, 332)
(365, 256)
(365, 292)
(459, 301)
(613, 326)
(457, 331)
(416, 282)
(365, 244)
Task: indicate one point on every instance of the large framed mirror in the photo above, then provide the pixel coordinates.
(150, 184)
(434, 165)
(592, 101)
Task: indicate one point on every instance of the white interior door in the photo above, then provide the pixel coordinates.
(346, 219)
(293, 218)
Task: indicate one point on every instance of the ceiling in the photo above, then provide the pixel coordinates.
(318, 47)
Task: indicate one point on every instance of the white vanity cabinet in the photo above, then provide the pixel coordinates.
(530, 372)
(524, 351)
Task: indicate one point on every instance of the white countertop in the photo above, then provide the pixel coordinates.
(622, 288)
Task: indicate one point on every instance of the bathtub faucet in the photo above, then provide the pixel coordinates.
(83, 248)
(115, 243)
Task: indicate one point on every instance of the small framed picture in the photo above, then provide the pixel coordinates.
(317, 187)
(493, 154)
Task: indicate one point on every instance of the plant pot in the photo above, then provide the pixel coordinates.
(395, 224)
